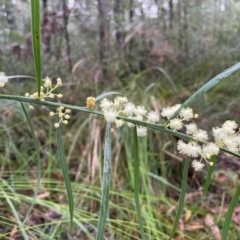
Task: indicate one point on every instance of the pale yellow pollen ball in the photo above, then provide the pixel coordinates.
(91, 102)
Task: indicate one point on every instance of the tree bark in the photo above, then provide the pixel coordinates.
(118, 18)
(185, 27)
(171, 16)
(103, 32)
(65, 19)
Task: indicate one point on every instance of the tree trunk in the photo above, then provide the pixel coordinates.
(185, 27)
(131, 11)
(118, 18)
(170, 13)
(65, 19)
(180, 30)
(103, 33)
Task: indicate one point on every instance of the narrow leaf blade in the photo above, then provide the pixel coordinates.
(182, 197)
(105, 183)
(36, 38)
(229, 214)
(38, 163)
(136, 183)
(209, 175)
(63, 165)
(210, 84)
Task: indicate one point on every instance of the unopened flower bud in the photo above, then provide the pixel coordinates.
(59, 82)
(60, 108)
(48, 82)
(91, 102)
(67, 116)
(35, 95)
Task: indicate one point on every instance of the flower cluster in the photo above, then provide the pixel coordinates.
(121, 107)
(186, 114)
(198, 148)
(47, 90)
(91, 102)
(3, 79)
(195, 148)
(63, 115)
(228, 136)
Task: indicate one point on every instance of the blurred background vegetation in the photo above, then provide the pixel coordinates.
(155, 52)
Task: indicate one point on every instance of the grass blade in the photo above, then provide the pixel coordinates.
(229, 214)
(36, 38)
(136, 183)
(105, 183)
(38, 163)
(14, 212)
(106, 94)
(210, 84)
(63, 164)
(182, 197)
(209, 175)
(140, 74)
(168, 78)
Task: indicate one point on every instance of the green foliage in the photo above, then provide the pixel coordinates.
(36, 40)
(150, 63)
(105, 183)
(136, 182)
(228, 218)
(62, 161)
(182, 197)
(209, 175)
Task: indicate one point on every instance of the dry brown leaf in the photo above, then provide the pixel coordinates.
(209, 221)
(194, 226)
(236, 215)
(222, 177)
(43, 195)
(78, 64)
(188, 214)
(8, 111)
(181, 225)
(193, 194)
(53, 215)
(57, 175)
(14, 231)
